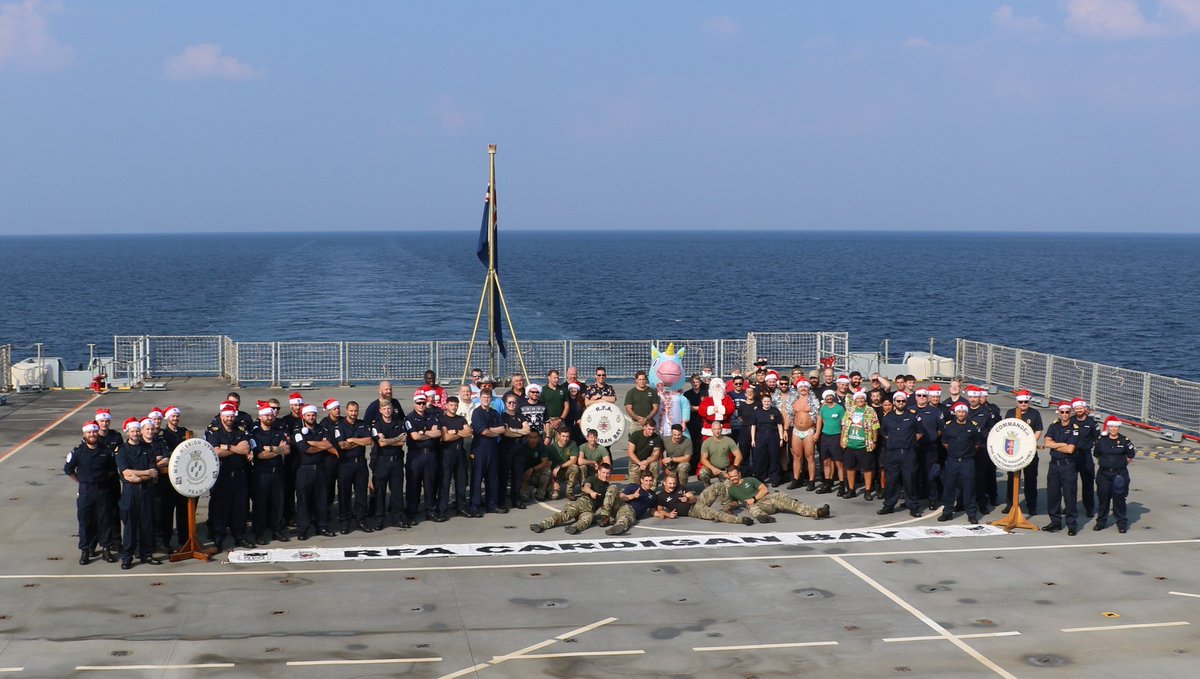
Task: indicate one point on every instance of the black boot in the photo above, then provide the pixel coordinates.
(107, 555)
(826, 487)
(85, 557)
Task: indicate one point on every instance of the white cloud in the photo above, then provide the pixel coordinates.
(1188, 11)
(206, 61)
(449, 114)
(721, 27)
(917, 42)
(1125, 20)
(1004, 18)
(25, 40)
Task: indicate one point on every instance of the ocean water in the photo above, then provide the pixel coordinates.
(1129, 301)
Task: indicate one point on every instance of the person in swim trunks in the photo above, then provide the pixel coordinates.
(804, 440)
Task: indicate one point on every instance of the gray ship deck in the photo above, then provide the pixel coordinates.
(1025, 605)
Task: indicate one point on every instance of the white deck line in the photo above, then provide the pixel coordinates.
(12, 669)
(1108, 628)
(982, 635)
(1197, 596)
(196, 666)
(575, 654)
(377, 661)
(754, 647)
(966, 648)
(159, 573)
(524, 653)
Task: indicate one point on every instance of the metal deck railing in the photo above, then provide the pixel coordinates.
(345, 362)
(1142, 396)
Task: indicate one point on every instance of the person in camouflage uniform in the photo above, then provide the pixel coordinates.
(579, 514)
(675, 501)
(624, 506)
(563, 467)
(761, 503)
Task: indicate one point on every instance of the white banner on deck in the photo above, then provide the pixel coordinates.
(617, 544)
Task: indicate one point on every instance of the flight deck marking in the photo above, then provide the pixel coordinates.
(754, 647)
(981, 635)
(12, 669)
(196, 666)
(375, 661)
(38, 434)
(957, 641)
(1107, 628)
(577, 564)
(524, 652)
(1184, 594)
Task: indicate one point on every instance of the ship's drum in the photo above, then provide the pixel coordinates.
(193, 468)
(1011, 444)
(608, 421)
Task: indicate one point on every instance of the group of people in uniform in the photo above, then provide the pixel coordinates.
(482, 451)
(895, 437)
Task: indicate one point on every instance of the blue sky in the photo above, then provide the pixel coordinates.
(174, 117)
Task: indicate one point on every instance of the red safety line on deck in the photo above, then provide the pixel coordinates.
(38, 434)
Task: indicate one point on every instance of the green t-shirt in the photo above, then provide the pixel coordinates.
(831, 419)
(642, 400)
(719, 451)
(537, 454)
(643, 446)
(595, 455)
(554, 398)
(681, 449)
(745, 490)
(559, 456)
(599, 487)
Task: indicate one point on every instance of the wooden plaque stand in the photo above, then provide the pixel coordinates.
(1015, 519)
(192, 549)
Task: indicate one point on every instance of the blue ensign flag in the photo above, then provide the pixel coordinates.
(481, 251)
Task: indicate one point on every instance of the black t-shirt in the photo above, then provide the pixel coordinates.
(599, 487)
(452, 423)
(673, 501)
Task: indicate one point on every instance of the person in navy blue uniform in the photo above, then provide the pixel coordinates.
(512, 454)
(929, 449)
(985, 469)
(766, 432)
(900, 458)
(291, 423)
(329, 428)
(488, 427)
(424, 430)
(961, 440)
(240, 418)
(387, 469)
(93, 467)
(1085, 465)
(171, 514)
(453, 468)
(269, 441)
(372, 413)
(1029, 475)
(1113, 454)
(227, 504)
(1062, 439)
(137, 466)
(312, 447)
(111, 440)
(354, 438)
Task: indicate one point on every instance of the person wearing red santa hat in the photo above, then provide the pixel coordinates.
(136, 466)
(227, 505)
(171, 514)
(111, 440)
(1085, 464)
(92, 467)
(291, 423)
(1113, 453)
(1062, 439)
(1033, 418)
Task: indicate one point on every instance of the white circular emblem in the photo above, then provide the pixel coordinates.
(608, 421)
(194, 467)
(1011, 445)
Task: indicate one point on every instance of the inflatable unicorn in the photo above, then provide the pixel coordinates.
(666, 376)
